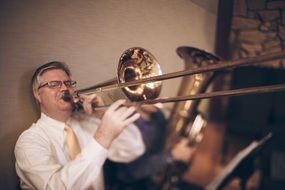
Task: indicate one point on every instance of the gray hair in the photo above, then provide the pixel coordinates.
(48, 66)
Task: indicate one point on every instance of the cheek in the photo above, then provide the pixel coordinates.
(47, 97)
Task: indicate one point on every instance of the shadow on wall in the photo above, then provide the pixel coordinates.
(29, 111)
(27, 104)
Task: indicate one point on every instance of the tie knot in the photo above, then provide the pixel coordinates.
(67, 127)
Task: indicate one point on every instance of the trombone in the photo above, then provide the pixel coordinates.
(140, 78)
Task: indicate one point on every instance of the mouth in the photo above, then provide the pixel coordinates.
(68, 98)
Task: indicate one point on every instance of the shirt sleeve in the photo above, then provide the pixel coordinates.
(39, 168)
(127, 146)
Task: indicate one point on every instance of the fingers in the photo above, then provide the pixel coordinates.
(97, 101)
(131, 119)
(116, 105)
(122, 115)
(87, 103)
(125, 112)
(118, 110)
(91, 101)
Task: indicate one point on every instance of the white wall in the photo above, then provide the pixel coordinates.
(90, 36)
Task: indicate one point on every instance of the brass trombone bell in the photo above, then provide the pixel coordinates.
(140, 76)
(136, 64)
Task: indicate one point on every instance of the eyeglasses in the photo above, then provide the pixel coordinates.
(57, 84)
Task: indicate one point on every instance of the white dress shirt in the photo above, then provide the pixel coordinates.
(42, 160)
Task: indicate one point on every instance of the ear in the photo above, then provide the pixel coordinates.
(37, 95)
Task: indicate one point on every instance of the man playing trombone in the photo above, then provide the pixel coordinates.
(65, 149)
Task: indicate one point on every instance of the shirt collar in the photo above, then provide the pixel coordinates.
(54, 129)
(55, 124)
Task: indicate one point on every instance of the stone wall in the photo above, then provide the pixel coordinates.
(258, 28)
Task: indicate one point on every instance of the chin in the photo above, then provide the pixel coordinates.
(66, 107)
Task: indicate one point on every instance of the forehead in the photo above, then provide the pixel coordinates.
(54, 74)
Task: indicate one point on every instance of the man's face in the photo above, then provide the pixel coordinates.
(50, 99)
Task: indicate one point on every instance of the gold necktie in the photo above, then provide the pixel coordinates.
(72, 142)
(73, 145)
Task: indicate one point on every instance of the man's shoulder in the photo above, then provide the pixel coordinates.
(32, 134)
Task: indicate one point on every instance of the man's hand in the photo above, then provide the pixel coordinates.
(89, 102)
(182, 151)
(115, 119)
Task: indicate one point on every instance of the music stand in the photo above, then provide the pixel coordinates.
(240, 166)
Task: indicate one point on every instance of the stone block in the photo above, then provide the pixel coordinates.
(255, 36)
(268, 15)
(240, 8)
(256, 4)
(272, 50)
(276, 4)
(252, 14)
(272, 43)
(244, 23)
(251, 49)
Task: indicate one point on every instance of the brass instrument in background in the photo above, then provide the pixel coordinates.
(185, 120)
(184, 113)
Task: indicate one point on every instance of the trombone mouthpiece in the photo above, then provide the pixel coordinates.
(67, 96)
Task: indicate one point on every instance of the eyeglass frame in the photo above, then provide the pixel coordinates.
(67, 83)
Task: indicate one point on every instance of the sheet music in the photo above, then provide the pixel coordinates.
(255, 145)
